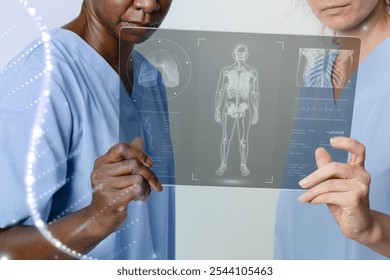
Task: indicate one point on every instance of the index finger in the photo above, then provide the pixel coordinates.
(355, 148)
(124, 151)
(134, 168)
(329, 171)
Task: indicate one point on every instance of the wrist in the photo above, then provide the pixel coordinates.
(374, 234)
(93, 226)
(78, 231)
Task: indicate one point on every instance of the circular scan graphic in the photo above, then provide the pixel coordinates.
(167, 59)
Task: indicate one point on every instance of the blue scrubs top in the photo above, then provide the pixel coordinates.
(79, 123)
(306, 231)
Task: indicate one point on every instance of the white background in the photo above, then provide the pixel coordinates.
(103, 270)
(212, 223)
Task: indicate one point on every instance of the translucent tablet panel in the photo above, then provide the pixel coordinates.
(237, 109)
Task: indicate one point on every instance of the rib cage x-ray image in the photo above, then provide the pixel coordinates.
(236, 106)
(316, 66)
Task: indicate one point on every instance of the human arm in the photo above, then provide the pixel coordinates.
(255, 97)
(345, 189)
(220, 95)
(26, 242)
(120, 176)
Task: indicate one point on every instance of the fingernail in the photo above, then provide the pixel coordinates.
(158, 187)
(149, 161)
(332, 141)
(300, 199)
(304, 182)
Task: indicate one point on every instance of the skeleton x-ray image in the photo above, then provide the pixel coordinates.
(236, 106)
(323, 68)
(232, 109)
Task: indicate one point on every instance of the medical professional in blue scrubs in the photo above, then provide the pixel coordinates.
(344, 214)
(99, 198)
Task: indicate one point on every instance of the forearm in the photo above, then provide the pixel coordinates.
(255, 99)
(77, 231)
(378, 237)
(218, 100)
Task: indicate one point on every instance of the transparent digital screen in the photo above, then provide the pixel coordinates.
(236, 109)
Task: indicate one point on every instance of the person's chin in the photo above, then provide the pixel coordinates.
(135, 34)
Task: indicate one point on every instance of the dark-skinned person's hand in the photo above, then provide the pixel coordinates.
(120, 176)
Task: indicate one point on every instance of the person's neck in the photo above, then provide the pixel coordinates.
(90, 30)
(371, 32)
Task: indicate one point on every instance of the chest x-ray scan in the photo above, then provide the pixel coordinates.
(242, 109)
(316, 67)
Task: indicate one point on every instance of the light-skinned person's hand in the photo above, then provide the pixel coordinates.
(344, 187)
